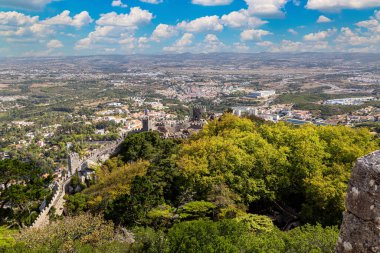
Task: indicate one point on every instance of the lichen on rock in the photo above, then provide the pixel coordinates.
(360, 231)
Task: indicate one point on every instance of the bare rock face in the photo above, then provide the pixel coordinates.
(360, 231)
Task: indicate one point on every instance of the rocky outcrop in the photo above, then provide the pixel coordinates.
(360, 231)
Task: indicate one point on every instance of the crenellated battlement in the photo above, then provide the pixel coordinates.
(75, 165)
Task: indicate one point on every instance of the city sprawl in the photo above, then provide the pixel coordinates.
(50, 107)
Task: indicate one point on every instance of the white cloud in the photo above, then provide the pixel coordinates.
(296, 46)
(118, 3)
(186, 40)
(101, 33)
(211, 43)
(163, 31)
(211, 38)
(288, 46)
(323, 19)
(22, 4)
(297, 2)
(366, 37)
(64, 18)
(252, 34)
(136, 17)
(128, 41)
(212, 2)
(83, 43)
(334, 5)
(240, 47)
(152, 1)
(242, 18)
(40, 30)
(318, 36)
(348, 37)
(372, 24)
(377, 15)
(13, 18)
(265, 43)
(54, 44)
(143, 42)
(292, 31)
(203, 24)
(266, 7)
(113, 28)
(181, 44)
(18, 24)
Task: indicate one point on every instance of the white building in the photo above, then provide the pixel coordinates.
(349, 101)
(262, 94)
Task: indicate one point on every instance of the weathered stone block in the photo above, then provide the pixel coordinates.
(360, 231)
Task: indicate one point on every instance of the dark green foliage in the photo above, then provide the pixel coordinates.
(145, 146)
(24, 190)
(206, 236)
(232, 236)
(90, 234)
(197, 209)
(84, 233)
(300, 240)
(234, 164)
(148, 240)
(216, 191)
(76, 204)
(132, 209)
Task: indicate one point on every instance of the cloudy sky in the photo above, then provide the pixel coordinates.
(83, 27)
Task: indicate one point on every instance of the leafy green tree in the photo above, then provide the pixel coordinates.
(76, 204)
(133, 208)
(303, 239)
(300, 171)
(161, 216)
(256, 223)
(148, 240)
(72, 234)
(113, 180)
(7, 238)
(145, 146)
(205, 236)
(24, 190)
(196, 210)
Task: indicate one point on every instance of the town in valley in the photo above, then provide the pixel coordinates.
(51, 107)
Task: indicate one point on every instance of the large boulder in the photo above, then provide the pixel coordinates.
(360, 231)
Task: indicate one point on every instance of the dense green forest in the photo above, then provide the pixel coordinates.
(239, 185)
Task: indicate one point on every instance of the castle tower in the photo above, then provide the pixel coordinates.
(147, 124)
(74, 163)
(198, 111)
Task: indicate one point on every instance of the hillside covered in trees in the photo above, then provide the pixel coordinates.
(237, 186)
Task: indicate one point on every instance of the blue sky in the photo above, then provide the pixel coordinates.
(83, 27)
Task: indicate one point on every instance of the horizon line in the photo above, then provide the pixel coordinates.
(190, 53)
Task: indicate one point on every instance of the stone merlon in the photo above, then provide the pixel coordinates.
(360, 231)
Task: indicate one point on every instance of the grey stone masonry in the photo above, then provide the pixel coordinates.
(75, 165)
(360, 231)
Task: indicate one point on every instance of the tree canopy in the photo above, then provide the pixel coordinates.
(236, 186)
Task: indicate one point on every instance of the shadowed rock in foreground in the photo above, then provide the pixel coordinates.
(360, 231)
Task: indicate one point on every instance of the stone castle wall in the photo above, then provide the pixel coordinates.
(75, 164)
